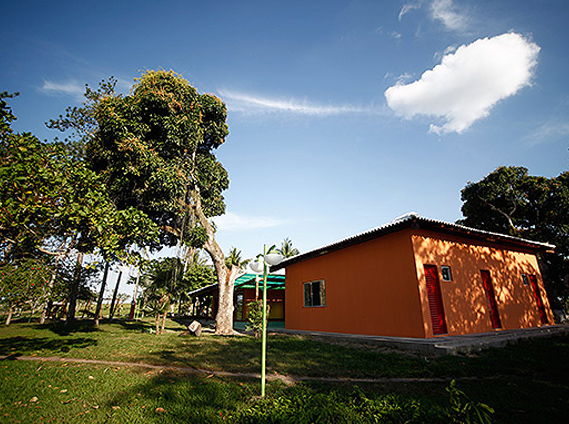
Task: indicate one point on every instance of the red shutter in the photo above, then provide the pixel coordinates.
(538, 299)
(435, 300)
(491, 299)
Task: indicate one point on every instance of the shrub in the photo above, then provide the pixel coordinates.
(255, 317)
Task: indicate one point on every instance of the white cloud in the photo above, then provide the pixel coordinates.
(467, 83)
(252, 104)
(407, 7)
(235, 222)
(553, 129)
(69, 88)
(444, 11)
(396, 35)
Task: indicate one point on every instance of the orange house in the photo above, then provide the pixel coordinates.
(417, 277)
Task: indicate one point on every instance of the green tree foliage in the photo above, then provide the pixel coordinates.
(160, 284)
(24, 281)
(154, 147)
(287, 249)
(234, 259)
(510, 201)
(49, 196)
(154, 150)
(198, 276)
(255, 317)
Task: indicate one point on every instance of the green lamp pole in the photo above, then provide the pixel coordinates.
(258, 266)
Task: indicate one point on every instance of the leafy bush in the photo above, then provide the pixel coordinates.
(299, 405)
(465, 410)
(255, 317)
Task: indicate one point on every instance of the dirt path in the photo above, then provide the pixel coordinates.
(289, 380)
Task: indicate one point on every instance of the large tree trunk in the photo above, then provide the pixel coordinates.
(75, 289)
(101, 294)
(224, 317)
(10, 313)
(115, 293)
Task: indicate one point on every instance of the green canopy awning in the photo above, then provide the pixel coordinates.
(247, 281)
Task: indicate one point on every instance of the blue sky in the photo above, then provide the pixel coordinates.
(342, 114)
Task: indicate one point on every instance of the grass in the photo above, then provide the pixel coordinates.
(524, 383)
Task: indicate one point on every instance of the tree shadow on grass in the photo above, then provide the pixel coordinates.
(17, 346)
(132, 325)
(144, 326)
(65, 329)
(214, 353)
(169, 396)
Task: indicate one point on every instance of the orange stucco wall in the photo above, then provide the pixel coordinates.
(371, 288)
(465, 305)
(378, 287)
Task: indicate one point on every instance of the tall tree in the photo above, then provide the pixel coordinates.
(154, 148)
(49, 197)
(510, 201)
(287, 249)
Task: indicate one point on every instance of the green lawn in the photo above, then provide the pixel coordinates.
(525, 383)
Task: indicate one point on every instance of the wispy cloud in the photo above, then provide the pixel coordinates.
(68, 88)
(235, 222)
(254, 104)
(468, 83)
(443, 11)
(553, 129)
(408, 7)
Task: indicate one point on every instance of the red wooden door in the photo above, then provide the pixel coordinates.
(435, 300)
(491, 298)
(538, 299)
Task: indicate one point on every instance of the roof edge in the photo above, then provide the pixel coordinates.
(413, 219)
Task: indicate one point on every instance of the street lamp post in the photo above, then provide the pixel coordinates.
(260, 265)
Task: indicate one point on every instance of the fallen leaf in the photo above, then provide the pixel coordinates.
(91, 377)
(34, 399)
(161, 410)
(116, 407)
(63, 391)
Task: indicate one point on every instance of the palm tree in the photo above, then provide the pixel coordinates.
(287, 250)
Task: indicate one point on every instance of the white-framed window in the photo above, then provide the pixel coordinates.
(446, 273)
(314, 293)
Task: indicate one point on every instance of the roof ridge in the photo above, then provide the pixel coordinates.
(401, 221)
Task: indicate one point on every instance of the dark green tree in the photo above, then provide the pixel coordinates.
(510, 201)
(154, 150)
(49, 197)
